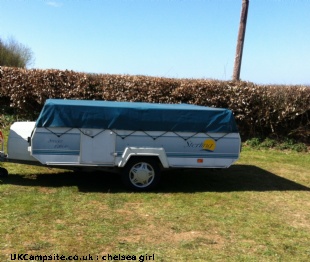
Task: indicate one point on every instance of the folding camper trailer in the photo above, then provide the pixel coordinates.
(138, 139)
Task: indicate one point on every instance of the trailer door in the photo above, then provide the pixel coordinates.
(97, 147)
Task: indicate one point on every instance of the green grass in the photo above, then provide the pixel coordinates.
(257, 210)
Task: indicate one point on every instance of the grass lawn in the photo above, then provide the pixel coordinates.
(257, 210)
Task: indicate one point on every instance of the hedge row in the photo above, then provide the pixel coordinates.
(260, 110)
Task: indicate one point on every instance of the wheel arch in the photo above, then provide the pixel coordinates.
(134, 152)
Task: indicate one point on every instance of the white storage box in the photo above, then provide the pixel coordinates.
(18, 141)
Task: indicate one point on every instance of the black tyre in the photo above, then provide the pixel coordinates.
(3, 172)
(141, 174)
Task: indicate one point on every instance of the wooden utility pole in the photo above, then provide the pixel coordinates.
(240, 40)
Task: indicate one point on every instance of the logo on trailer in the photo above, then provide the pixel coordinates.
(209, 145)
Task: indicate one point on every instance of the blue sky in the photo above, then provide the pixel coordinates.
(165, 38)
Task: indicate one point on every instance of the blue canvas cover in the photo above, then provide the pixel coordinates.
(136, 116)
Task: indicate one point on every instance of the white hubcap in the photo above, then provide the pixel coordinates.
(142, 174)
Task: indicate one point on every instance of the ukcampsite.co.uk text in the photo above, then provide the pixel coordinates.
(57, 257)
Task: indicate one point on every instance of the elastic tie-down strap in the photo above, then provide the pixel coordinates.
(189, 137)
(58, 134)
(217, 139)
(91, 136)
(122, 136)
(146, 133)
(154, 137)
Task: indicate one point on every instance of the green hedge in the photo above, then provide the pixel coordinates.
(260, 110)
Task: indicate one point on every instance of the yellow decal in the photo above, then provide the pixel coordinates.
(209, 144)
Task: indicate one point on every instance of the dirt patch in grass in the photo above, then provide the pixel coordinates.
(149, 229)
(164, 236)
(47, 190)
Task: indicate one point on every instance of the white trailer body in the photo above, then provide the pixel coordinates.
(140, 138)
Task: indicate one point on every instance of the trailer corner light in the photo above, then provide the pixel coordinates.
(199, 160)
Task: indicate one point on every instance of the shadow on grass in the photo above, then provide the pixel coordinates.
(236, 178)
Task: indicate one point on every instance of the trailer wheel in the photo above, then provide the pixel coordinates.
(141, 174)
(3, 172)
